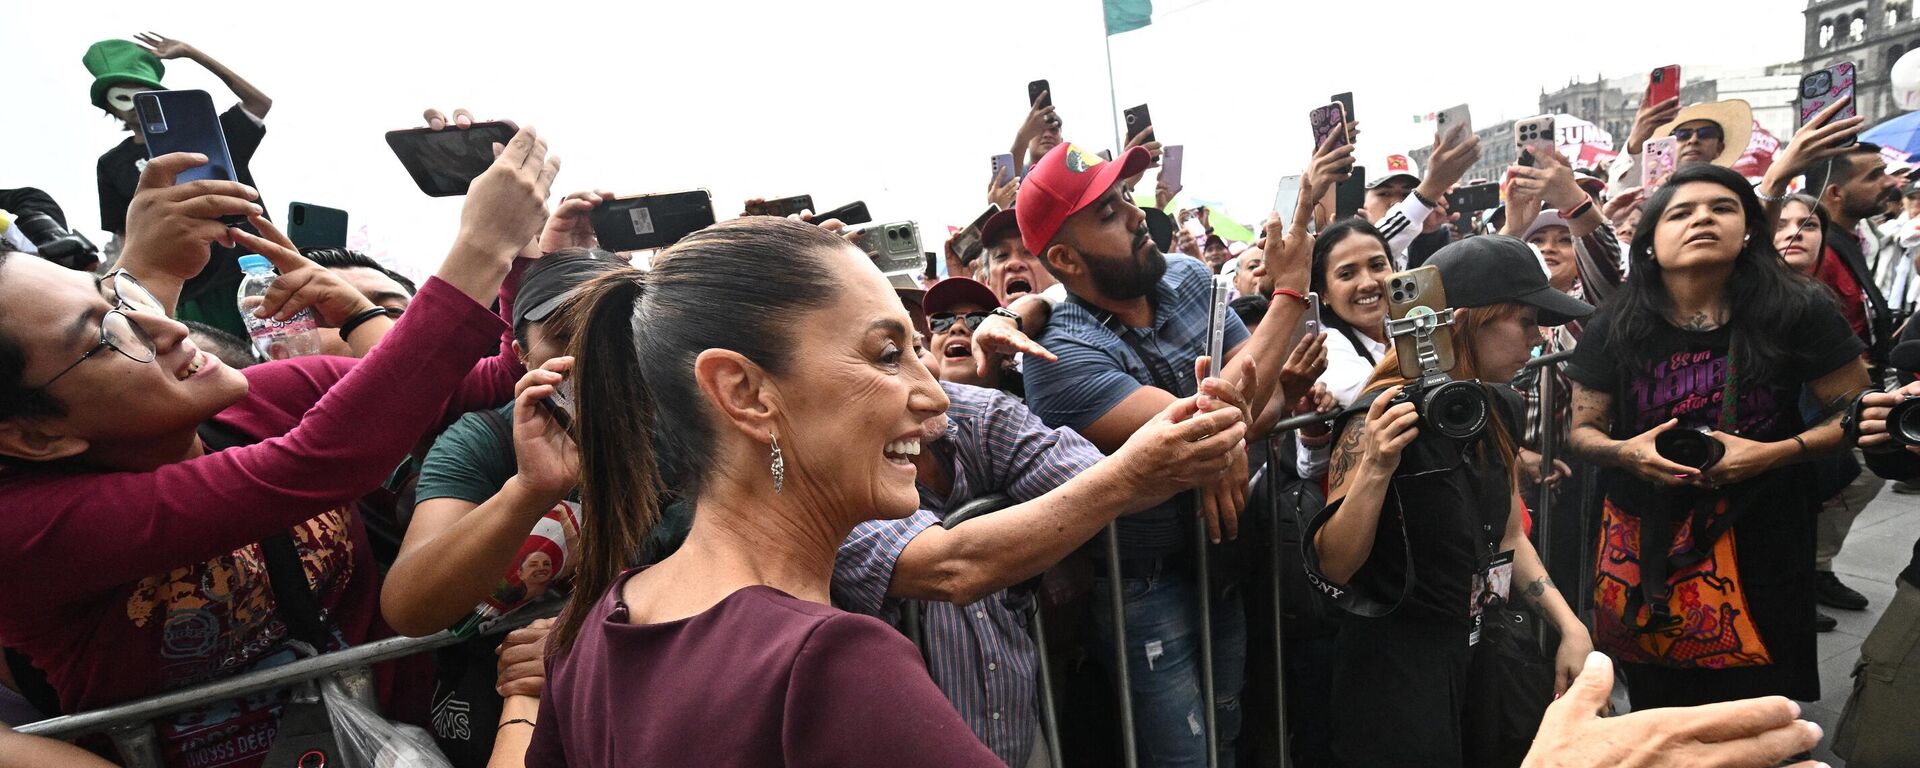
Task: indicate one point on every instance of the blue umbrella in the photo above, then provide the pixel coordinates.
(1901, 133)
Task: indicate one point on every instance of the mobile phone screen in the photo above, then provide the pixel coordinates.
(444, 163)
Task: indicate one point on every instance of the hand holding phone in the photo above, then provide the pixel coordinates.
(1039, 94)
(444, 162)
(1663, 84)
(1657, 161)
(650, 222)
(1330, 121)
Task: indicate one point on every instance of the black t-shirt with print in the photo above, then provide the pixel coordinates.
(118, 174)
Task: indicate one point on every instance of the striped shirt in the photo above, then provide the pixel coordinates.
(1402, 225)
(1097, 369)
(980, 655)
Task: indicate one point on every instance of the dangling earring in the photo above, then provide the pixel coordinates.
(779, 464)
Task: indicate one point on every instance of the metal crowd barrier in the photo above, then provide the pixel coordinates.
(130, 725)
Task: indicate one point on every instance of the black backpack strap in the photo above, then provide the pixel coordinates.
(293, 598)
(1353, 600)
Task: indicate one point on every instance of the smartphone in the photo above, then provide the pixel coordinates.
(1138, 122)
(1657, 160)
(933, 266)
(316, 226)
(1003, 169)
(559, 405)
(444, 163)
(1287, 198)
(1309, 322)
(651, 222)
(1452, 117)
(1351, 195)
(849, 214)
(1330, 120)
(1419, 288)
(785, 206)
(1536, 133)
(1472, 198)
(1039, 94)
(966, 242)
(1346, 103)
(185, 121)
(894, 248)
(1170, 162)
(1217, 324)
(1820, 89)
(1663, 83)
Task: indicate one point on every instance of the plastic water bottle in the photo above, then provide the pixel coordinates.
(273, 339)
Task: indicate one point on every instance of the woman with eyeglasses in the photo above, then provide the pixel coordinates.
(149, 488)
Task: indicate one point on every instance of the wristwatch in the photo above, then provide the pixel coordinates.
(1018, 324)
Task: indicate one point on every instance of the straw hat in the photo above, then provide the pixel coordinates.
(1735, 118)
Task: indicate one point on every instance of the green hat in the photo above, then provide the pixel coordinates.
(114, 62)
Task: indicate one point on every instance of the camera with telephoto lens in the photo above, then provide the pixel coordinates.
(895, 249)
(1456, 409)
(1695, 448)
(56, 243)
(1903, 422)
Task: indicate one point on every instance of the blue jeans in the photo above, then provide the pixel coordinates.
(1163, 659)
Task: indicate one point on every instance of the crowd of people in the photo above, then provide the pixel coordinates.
(670, 450)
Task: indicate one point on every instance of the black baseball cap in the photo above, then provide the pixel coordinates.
(1495, 269)
(554, 278)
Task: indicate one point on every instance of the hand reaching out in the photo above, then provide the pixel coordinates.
(164, 47)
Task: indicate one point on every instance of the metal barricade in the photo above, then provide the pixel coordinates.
(130, 725)
(1549, 444)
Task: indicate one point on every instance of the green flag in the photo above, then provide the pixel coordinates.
(1127, 15)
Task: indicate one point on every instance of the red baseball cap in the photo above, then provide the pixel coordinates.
(999, 225)
(1067, 180)
(957, 290)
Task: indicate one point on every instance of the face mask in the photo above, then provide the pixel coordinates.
(120, 98)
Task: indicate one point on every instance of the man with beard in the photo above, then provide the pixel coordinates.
(1123, 346)
(1852, 187)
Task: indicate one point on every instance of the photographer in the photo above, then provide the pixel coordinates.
(1686, 392)
(1419, 526)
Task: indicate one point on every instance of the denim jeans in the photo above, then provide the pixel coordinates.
(1163, 659)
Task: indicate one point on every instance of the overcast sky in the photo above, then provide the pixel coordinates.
(898, 103)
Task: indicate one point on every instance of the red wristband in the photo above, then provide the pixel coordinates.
(1296, 295)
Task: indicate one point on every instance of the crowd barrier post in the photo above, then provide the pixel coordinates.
(1274, 543)
(1123, 681)
(1549, 446)
(1203, 577)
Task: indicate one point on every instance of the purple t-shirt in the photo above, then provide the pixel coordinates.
(760, 679)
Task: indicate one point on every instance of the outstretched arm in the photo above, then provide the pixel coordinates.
(252, 99)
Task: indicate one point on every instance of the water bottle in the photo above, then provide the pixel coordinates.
(273, 339)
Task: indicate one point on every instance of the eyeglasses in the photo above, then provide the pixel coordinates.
(1705, 132)
(941, 321)
(117, 331)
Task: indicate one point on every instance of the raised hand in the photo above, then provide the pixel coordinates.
(546, 458)
(1821, 138)
(570, 226)
(1649, 118)
(302, 284)
(171, 227)
(505, 208)
(165, 47)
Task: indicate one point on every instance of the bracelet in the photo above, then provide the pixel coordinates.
(1290, 293)
(1804, 450)
(1580, 210)
(360, 318)
(520, 720)
(1769, 199)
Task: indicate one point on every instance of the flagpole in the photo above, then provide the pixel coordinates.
(1113, 97)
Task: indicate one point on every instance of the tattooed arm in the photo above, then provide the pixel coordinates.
(1530, 584)
(1357, 478)
(1745, 459)
(1591, 440)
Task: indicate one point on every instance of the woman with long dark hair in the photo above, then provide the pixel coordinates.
(1417, 522)
(1704, 588)
(1350, 268)
(772, 365)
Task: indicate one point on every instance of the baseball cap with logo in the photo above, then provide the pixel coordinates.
(1391, 167)
(1065, 181)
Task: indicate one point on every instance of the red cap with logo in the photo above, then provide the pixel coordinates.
(958, 290)
(1067, 180)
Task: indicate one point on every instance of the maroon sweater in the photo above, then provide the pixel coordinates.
(760, 679)
(125, 584)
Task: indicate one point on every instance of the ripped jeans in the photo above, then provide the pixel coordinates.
(1163, 659)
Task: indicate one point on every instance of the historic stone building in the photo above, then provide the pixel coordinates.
(1870, 33)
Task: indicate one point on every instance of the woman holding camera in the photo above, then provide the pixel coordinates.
(1686, 390)
(1418, 523)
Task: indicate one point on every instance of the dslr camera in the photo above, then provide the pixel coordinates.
(895, 249)
(1903, 423)
(1693, 447)
(56, 243)
(1456, 409)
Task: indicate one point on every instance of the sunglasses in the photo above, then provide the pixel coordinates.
(117, 331)
(941, 321)
(1705, 132)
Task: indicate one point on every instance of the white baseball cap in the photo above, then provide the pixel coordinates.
(1391, 167)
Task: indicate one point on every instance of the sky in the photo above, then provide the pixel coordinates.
(899, 103)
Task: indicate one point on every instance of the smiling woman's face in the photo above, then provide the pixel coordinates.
(1357, 269)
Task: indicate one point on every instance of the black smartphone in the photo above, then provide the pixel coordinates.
(1478, 197)
(785, 206)
(445, 162)
(1346, 102)
(650, 222)
(316, 226)
(1035, 91)
(185, 121)
(933, 266)
(1351, 195)
(849, 214)
(1138, 121)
